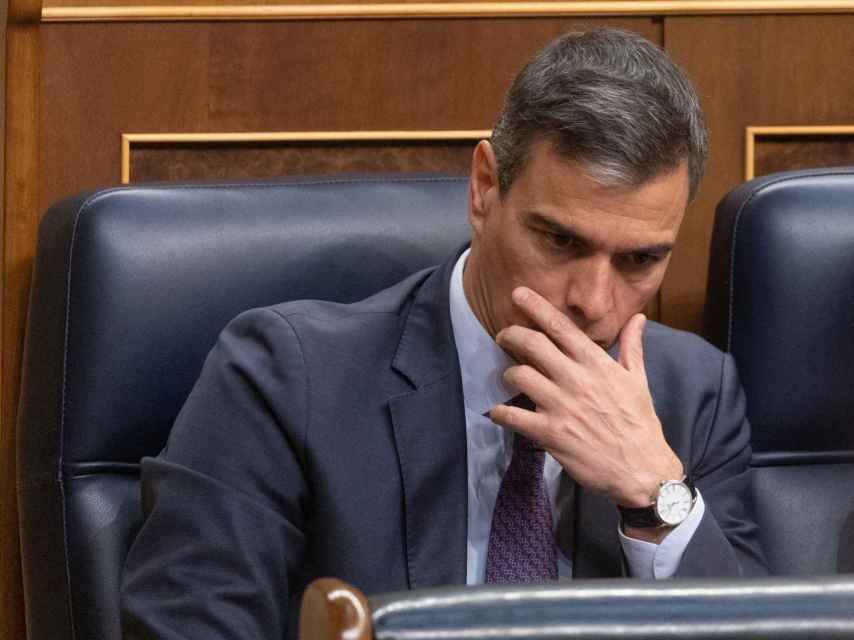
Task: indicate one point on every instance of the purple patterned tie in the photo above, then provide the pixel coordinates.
(521, 541)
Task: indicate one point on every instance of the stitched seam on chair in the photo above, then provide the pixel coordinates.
(69, 599)
(64, 399)
(84, 207)
(273, 185)
(741, 209)
(308, 183)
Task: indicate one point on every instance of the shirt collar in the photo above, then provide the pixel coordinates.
(482, 361)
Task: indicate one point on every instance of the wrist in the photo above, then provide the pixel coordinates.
(647, 485)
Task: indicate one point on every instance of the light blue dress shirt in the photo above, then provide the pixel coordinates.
(489, 448)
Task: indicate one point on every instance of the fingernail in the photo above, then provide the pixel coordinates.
(520, 294)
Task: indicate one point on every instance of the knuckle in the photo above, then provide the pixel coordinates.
(511, 375)
(532, 341)
(526, 372)
(558, 323)
(518, 375)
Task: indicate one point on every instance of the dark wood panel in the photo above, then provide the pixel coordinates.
(19, 221)
(785, 153)
(750, 70)
(176, 162)
(99, 81)
(102, 80)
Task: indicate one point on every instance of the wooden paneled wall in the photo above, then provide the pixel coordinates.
(749, 71)
(101, 79)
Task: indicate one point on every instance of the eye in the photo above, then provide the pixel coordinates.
(559, 240)
(640, 260)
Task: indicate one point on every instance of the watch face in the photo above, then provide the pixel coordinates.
(674, 502)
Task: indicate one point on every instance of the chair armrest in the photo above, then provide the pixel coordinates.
(333, 610)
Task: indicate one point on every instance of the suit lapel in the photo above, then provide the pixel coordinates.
(430, 436)
(597, 546)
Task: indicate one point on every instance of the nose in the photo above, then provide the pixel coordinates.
(590, 290)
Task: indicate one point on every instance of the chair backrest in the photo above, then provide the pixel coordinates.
(781, 300)
(131, 287)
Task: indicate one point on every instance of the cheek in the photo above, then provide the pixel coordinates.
(634, 296)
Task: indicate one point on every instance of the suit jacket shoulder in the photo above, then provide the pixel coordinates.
(320, 439)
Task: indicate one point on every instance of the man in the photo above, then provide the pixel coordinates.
(362, 441)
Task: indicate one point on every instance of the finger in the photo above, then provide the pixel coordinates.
(563, 331)
(631, 344)
(530, 424)
(535, 348)
(542, 391)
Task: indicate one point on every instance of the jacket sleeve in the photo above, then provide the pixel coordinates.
(726, 542)
(220, 552)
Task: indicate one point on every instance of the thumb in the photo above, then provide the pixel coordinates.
(631, 343)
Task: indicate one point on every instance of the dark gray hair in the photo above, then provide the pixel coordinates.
(608, 99)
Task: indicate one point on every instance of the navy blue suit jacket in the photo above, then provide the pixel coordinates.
(329, 440)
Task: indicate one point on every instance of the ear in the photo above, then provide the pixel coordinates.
(483, 184)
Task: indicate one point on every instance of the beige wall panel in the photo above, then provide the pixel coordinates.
(102, 80)
(757, 70)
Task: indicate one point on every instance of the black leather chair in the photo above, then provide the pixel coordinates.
(131, 287)
(781, 300)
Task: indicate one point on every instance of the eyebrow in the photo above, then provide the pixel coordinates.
(564, 230)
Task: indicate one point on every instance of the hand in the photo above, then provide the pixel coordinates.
(594, 415)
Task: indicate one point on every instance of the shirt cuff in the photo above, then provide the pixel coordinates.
(649, 560)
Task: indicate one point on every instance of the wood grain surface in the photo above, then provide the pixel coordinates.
(19, 220)
(182, 162)
(102, 80)
(786, 153)
(99, 80)
(750, 70)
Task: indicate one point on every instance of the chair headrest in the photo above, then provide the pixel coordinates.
(132, 285)
(781, 300)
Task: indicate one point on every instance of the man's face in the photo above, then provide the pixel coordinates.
(597, 253)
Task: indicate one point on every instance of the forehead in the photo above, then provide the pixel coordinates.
(553, 188)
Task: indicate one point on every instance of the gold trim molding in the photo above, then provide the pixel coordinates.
(751, 133)
(390, 10)
(129, 139)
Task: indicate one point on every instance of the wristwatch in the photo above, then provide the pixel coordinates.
(671, 506)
